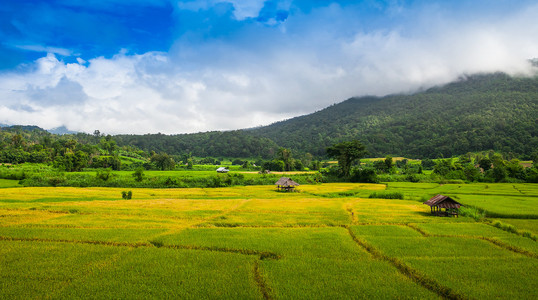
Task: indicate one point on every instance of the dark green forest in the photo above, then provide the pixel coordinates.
(215, 144)
(479, 112)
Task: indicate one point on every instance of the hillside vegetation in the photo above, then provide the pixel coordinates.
(479, 112)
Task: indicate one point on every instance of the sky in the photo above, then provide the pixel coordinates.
(170, 66)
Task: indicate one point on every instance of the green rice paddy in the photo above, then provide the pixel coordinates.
(328, 241)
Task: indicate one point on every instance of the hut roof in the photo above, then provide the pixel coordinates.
(285, 181)
(222, 170)
(443, 202)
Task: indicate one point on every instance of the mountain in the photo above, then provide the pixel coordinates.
(18, 128)
(235, 143)
(61, 130)
(476, 113)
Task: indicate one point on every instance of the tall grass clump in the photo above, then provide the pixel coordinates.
(513, 229)
(472, 212)
(387, 195)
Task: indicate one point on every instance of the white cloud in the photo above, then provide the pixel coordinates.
(247, 8)
(221, 86)
(243, 9)
(46, 49)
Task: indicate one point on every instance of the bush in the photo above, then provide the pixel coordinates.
(127, 195)
(472, 212)
(103, 174)
(512, 229)
(387, 195)
(366, 175)
(139, 174)
(412, 178)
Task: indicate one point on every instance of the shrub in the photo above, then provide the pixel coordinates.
(412, 178)
(127, 195)
(387, 195)
(56, 180)
(472, 212)
(139, 174)
(367, 175)
(170, 181)
(157, 244)
(103, 174)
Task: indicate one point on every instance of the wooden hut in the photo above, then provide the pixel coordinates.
(437, 203)
(285, 184)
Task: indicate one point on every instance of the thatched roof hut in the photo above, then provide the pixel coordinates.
(286, 184)
(438, 202)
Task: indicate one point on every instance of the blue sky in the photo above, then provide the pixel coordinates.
(139, 66)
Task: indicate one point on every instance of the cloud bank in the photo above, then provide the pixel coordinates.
(241, 64)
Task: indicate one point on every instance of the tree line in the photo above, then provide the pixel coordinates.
(477, 113)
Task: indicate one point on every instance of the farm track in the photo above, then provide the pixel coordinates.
(417, 229)
(506, 246)
(419, 278)
(493, 241)
(260, 282)
(520, 191)
(348, 206)
(261, 254)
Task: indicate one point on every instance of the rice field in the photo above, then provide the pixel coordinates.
(327, 241)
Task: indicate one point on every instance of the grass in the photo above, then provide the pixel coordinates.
(500, 278)
(503, 200)
(387, 195)
(64, 270)
(8, 183)
(328, 241)
(523, 224)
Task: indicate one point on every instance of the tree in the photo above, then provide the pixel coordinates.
(443, 167)
(367, 175)
(485, 164)
(346, 153)
(108, 144)
(381, 166)
(163, 161)
(285, 156)
(17, 141)
(389, 163)
(139, 174)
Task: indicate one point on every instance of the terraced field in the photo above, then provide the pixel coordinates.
(328, 241)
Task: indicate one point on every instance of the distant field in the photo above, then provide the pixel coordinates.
(505, 200)
(328, 241)
(182, 174)
(5, 183)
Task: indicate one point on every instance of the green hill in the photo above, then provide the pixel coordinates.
(476, 113)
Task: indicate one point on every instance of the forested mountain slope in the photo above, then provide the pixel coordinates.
(478, 112)
(216, 144)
